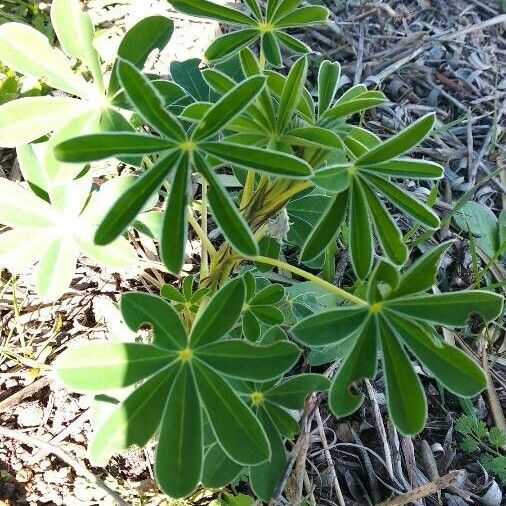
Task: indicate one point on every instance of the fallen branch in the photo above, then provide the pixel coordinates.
(65, 457)
(423, 491)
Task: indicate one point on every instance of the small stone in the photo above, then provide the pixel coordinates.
(30, 415)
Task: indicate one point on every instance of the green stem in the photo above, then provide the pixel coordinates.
(202, 236)
(204, 260)
(310, 277)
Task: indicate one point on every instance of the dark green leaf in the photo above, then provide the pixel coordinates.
(361, 243)
(265, 477)
(88, 148)
(305, 16)
(234, 425)
(284, 421)
(220, 315)
(270, 49)
(271, 294)
(175, 220)
(230, 43)
(387, 231)
(400, 143)
(405, 396)
(138, 43)
(106, 366)
(326, 229)
(401, 199)
(219, 469)
(360, 363)
(254, 7)
(422, 274)
(452, 367)
(268, 314)
(292, 43)
(205, 9)
(270, 162)
(218, 81)
(313, 137)
(330, 326)
(452, 309)
(228, 107)
(292, 91)
(283, 8)
(292, 392)
(148, 102)
(408, 168)
(334, 178)
(340, 110)
(179, 452)
(188, 75)
(172, 293)
(139, 309)
(250, 326)
(328, 82)
(244, 360)
(126, 208)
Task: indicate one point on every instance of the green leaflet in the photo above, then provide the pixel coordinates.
(361, 242)
(219, 470)
(330, 326)
(243, 360)
(206, 9)
(106, 366)
(234, 425)
(271, 294)
(401, 199)
(175, 220)
(133, 421)
(254, 8)
(220, 315)
(422, 274)
(453, 309)
(387, 231)
(284, 421)
(304, 16)
(328, 82)
(408, 168)
(228, 107)
(148, 34)
(180, 445)
(326, 229)
(293, 44)
(271, 162)
(400, 143)
(148, 102)
(271, 49)
(265, 477)
(406, 399)
(312, 137)
(130, 203)
(360, 363)
(143, 308)
(231, 222)
(292, 90)
(230, 43)
(451, 366)
(292, 392)
(87, 148)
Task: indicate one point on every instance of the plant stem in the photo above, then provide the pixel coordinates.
(202, 236)
(204, 260)
(310, 277)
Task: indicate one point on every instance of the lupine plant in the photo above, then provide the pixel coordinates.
(261, 165)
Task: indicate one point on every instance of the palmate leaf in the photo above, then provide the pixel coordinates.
(398, 319)
(183, 378)
(366, 177)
